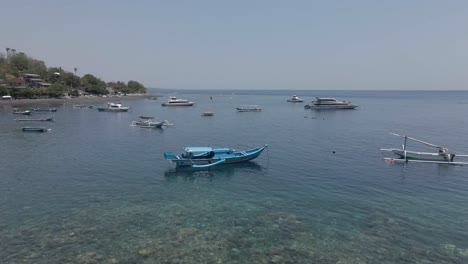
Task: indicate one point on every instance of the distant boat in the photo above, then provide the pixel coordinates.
(48, 119)
(83, 106)
(18, 112)
(146, 117)
(174, 101)
(208, 113)
(295, 99)
(44, 110)
(35, 129)
(204, 157)
(249, 108)
(324, 103)
(151, 124)
(113, 107)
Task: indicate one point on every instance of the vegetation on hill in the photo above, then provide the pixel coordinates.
(24, 77)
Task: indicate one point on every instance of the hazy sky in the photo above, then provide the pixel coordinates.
(216, 44)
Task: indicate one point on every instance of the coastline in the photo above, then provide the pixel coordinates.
(8, 105)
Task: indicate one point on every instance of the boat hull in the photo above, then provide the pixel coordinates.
(35, 129)
(178, 104)
(330, 107)
(430, 156)
(103, 109)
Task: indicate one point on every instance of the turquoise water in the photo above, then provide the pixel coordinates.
(96, 190)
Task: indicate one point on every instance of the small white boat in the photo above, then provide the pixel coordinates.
(295, 99)
(249, 108)
(174, 101)
(325, 103)
(113, 107)
(442, 156)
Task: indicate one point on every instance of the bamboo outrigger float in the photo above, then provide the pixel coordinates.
(442, 156)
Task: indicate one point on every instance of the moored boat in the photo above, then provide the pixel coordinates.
(442, 156)
(204, 157)
(113, 107)
(325, 103)
(18, 112)
(208, 113)
(35, 129)
(150, 124)
(295, 99)
(249, 108)
(174, 101)
(146, 117)
(44, 109)
(47, 119)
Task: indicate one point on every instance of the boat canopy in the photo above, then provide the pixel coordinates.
(198, 149)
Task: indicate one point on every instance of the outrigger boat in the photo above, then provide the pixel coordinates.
(44, 110)
(205, 157)
(442, 156)
(49, 119)
(151, 124)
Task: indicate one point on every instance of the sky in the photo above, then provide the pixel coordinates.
(248, 44)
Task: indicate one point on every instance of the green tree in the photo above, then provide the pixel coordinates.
(90, 79)
(19, 61)
(136, 87)
(95, 89)
(57, 90)
(37, 67)
(70, 80)
(53, 75)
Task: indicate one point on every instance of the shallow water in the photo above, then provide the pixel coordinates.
(96, 190)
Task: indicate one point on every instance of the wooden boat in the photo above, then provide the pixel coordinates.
(44, 110)
(295, 99)
(249, 108)
(442, 156)
(113, 107)
(323, 103)
(204, 157)
(35, 129)
(174, 101)
(18, 112)
(47, 119)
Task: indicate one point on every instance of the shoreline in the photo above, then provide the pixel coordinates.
(8, 105)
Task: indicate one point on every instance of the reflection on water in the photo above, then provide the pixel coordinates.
(221, 171)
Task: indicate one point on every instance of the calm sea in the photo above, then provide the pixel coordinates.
(96, 190)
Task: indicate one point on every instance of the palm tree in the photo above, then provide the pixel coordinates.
(75, 70)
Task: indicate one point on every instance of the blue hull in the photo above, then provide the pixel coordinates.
(215, 157)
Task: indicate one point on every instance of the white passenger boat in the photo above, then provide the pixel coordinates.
(174, 101)
(323, 103)
(113, 107)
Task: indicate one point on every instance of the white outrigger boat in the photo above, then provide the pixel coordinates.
(442, 156)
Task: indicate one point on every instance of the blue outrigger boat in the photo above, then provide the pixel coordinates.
(204, 157)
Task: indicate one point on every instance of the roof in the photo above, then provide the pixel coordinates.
(198, 149)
